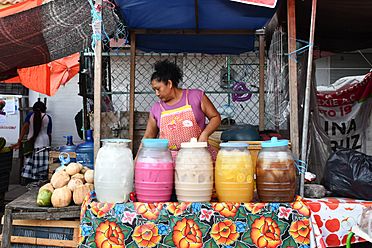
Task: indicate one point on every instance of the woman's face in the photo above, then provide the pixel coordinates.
(162, 90)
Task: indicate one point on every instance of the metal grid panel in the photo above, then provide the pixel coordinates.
(216, 75)
(276, 86)
(13, 89)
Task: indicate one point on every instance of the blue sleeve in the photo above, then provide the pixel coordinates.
(49, 128)
(28, 117)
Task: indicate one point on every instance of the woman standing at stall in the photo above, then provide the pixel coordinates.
(38, 126)
(181, 113)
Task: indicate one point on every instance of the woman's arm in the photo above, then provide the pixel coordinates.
(213, 116)
(49, 130)
(151, 129)
(24, 130)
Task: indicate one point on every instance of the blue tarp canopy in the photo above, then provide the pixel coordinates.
(211, 15)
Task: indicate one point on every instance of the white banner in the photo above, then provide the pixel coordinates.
(9, 118)
(344, 109)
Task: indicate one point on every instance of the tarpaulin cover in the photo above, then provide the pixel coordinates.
(47, 78)
(45, 33)
(212, 15)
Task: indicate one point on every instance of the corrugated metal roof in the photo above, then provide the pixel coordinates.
(11, 1)
(7, 3)
(10, 7)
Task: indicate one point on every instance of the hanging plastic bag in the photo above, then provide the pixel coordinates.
(348, 173)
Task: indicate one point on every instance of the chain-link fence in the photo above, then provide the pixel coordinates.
(231, 83)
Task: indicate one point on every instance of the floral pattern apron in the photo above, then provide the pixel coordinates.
(178, 125)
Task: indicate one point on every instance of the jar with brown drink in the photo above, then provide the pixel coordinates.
(276, 172)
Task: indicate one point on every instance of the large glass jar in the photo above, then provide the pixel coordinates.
(234, 173)
(194, 172)
(276, 172)
(154, 171)
(113, 171)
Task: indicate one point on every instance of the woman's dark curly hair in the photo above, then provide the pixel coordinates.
(166, 70)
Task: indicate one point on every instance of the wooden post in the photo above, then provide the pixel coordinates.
(262, 83)
(307, 93)
(132, 85)
(293, 94)
(97, 88)
(7, 228)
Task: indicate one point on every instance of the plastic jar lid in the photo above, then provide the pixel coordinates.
(116, 140)
(274, 142)
(194, 144)
(234, 145)
(155, 143)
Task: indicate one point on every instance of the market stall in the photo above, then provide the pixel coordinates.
(184, 224)
(141, 38)
(241, 222)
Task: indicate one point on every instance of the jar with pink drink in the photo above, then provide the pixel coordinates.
(154, 171)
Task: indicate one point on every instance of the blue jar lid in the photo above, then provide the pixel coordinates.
(234, 145)
(274, 142)
(155, 143)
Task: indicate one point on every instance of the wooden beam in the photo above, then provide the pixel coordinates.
(97, 88)
(7, 229)
(48, 223)
(262, 83)
(193, 32)
(42, 241)
(132, 86)
(307, 94)
(293, 94)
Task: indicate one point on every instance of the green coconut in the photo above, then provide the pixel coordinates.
(44, 198)
(5, 150)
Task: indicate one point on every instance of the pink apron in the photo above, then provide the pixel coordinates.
(178, 125)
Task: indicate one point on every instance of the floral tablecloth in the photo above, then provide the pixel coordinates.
(173, 224)
(332, 219)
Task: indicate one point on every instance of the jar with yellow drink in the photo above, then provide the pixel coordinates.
(234, 173)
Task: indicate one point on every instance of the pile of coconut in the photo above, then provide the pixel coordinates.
(69, 183)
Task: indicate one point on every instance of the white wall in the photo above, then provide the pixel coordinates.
(63, 107)
(322, 72)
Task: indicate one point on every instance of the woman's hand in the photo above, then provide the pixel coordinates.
(16, 146)
(203, 137)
